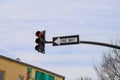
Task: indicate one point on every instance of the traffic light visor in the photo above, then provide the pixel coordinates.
(39, 34)
(38, 41)
(39, 48)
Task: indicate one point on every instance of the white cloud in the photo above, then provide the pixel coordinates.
(92, 20)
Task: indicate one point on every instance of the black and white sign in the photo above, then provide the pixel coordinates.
(65, 40)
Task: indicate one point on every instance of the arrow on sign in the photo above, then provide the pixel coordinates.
(57, 41)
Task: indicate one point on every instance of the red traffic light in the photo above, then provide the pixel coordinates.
(40, 40)
(39, 34)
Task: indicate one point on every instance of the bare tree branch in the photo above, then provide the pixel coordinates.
(110, 67)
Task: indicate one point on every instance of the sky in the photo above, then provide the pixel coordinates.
(92, 20)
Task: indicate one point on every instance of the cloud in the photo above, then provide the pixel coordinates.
(92, 20)
(61, 58)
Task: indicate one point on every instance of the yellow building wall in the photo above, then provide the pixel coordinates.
(12, 70)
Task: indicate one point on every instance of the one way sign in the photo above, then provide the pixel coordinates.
(65, 40)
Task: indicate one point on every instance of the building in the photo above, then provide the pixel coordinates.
(14, 69)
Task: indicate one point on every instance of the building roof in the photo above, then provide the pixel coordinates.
(20, 62)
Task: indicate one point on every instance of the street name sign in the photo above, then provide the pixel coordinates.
(66, 40)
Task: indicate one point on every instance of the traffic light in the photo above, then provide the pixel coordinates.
(40, 41)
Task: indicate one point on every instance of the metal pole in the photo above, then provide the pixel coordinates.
(93, 43)
(100, 44)
(48, 42)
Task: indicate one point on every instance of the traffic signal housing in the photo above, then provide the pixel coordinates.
(40, 41)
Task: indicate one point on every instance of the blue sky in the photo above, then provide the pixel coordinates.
(93, 20)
